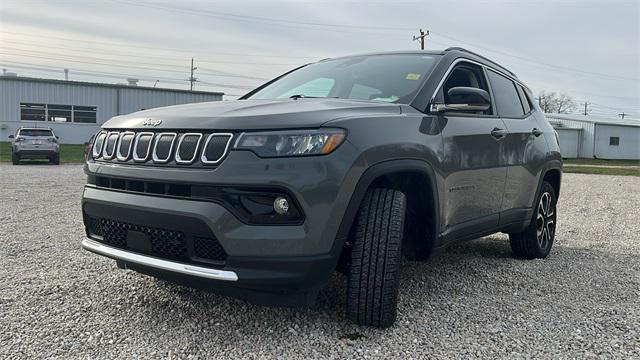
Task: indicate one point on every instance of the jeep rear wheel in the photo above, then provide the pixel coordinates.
(374, 266)
(536, 240)
(55, 160)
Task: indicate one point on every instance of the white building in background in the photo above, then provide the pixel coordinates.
(74, 109)
(597, 137)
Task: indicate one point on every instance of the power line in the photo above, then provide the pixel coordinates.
(128, 65)
(93, 73)
(137, 45)
(227, 16)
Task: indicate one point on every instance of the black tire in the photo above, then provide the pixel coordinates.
(536, 240)
(55, 160)
(374, 266)
(15, 159)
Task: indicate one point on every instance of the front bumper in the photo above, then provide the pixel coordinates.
(272, 259)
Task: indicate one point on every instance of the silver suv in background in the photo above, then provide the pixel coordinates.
(35, 143)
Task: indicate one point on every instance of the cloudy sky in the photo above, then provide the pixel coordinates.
(587, 49)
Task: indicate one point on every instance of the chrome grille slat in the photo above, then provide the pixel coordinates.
(119, 155)
(158, 137)
(204, 158)
(136, 158)
(98, 144)
(180, 160)
(105, 151)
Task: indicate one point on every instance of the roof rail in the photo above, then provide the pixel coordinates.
(457, 48)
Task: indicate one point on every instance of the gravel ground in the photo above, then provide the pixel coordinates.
(476, 300)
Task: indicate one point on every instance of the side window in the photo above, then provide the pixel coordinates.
(506, 96)
(526, 103)
(465, 75)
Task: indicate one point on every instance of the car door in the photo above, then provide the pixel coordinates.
(473, 165)
(525, 149)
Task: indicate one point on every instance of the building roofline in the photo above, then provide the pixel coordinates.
(593, 120)
(105, 85)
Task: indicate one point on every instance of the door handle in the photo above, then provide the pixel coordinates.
(498, 133)
(537, 132)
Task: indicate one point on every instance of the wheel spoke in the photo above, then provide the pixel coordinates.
(550, 229)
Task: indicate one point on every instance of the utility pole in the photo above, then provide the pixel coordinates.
(191, 78)
(622, 115)
(586, 111)
(421, 38)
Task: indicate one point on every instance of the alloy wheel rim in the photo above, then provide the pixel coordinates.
(545, 221)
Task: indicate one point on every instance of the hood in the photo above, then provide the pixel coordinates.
(250, 114)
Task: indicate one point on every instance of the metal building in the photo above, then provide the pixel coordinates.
(597, 137)
(74, 109)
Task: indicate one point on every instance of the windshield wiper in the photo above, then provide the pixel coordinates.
(300, 96)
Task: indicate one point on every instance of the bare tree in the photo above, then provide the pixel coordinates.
(553, 102)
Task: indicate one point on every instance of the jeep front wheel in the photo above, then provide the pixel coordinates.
(374, 266)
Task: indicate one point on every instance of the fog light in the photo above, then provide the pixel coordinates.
(281, 205)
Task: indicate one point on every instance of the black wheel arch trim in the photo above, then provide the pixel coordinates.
(552, 165)
(367, 178)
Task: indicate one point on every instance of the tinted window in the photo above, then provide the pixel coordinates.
(526, 104)
(506, 96)
(35, 132)
(389, 78)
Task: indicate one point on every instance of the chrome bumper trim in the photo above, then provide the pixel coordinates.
(101, 249)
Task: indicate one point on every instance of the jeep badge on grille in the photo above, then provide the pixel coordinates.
(152, 122)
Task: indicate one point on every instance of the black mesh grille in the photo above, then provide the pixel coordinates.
(163, 243)
(208, 248)
(125, 144)
(188, 147)
(216, 147)
(142, 147)
(163, 146)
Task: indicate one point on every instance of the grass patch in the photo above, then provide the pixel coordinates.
(69, 153)
(599, 170)
(602, 162)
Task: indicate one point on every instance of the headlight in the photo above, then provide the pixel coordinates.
(292, 143)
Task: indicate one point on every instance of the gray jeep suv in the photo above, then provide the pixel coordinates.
(35, 143)
(347, 164)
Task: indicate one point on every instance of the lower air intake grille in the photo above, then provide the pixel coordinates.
(158, 242)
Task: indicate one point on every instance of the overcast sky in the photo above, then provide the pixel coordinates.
(587, 49)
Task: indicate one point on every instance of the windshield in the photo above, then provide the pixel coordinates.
(35, 132)
(387, 78)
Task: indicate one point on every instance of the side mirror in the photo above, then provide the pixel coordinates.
(11, 136)
(465, 99)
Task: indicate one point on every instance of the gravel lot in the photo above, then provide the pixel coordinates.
(56, 300)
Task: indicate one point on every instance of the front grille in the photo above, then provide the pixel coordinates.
(162, 148)
(159, 242)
